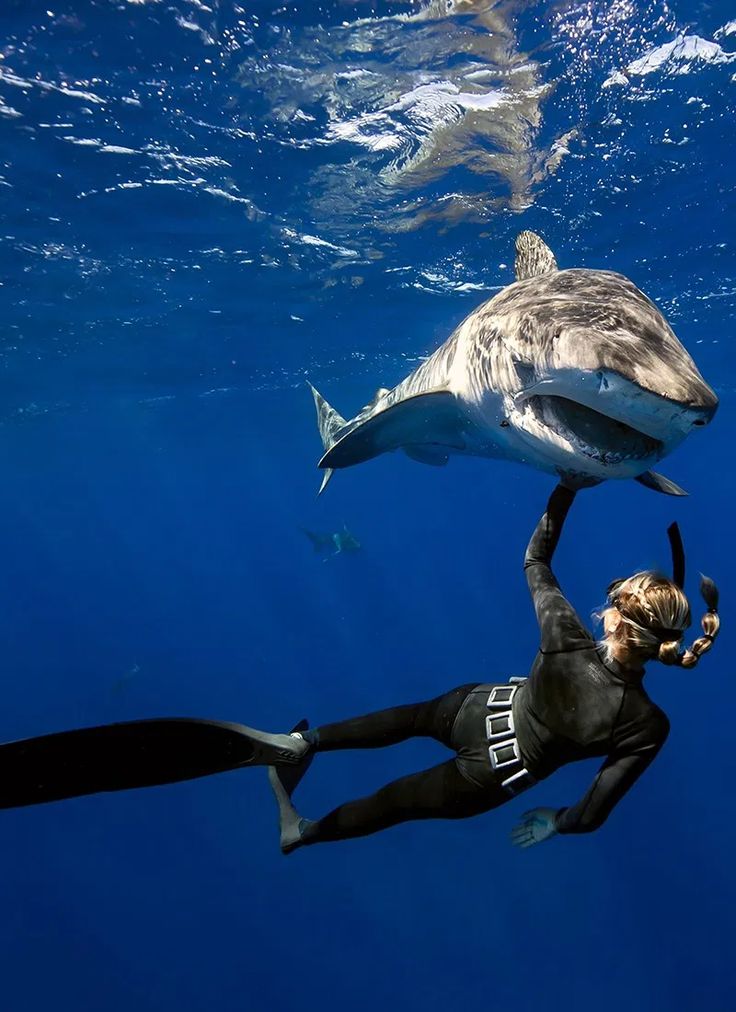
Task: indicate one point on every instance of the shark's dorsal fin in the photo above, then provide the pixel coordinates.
(659, 483)
(533, 257)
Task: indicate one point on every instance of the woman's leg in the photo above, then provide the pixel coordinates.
(438, 793)
(431, 719)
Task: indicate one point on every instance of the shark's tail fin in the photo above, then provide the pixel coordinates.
(330, 424)
(318, 540)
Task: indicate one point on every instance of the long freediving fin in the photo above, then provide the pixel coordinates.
(139, 753)
(290, 822)
(290, 776)
(658, 482)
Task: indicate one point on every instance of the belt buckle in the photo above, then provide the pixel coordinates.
(499, 753)
(500, 725)
(519, 782)
(501, 696)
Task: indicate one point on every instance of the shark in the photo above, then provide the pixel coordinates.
(574, 372)
(333, 544)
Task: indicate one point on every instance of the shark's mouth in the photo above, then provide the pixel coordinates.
(603, 439)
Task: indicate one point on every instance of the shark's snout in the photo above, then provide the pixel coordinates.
(696, 409)
(609, 419)
(702, 406)
(655, 412)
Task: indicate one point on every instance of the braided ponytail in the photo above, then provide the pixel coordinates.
(710, 623)
(655, 614)
(669, 653)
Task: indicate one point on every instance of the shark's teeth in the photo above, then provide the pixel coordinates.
(614, 442)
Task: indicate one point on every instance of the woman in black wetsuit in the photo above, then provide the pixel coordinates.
(582, 699)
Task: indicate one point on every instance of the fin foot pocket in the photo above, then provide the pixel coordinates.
(139, 753)
(291, 776)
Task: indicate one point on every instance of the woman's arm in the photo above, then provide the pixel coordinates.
(559, 624)
(616, 776)
(634, 751)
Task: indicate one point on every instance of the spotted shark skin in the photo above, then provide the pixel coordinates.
(575, 372)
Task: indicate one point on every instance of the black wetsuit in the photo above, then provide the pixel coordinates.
(574, 705)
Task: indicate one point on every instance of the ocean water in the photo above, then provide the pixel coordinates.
(204, 205)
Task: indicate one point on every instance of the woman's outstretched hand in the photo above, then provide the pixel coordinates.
(535, 826)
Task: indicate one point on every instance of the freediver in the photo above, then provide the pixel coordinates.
(582, 699)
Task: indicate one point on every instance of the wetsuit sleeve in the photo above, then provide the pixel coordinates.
(617, 775)
(559, 625)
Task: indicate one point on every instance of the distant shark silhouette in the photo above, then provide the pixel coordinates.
(333, 544)
(574, 372)
(125, 679)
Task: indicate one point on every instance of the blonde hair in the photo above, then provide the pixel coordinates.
(654, 615)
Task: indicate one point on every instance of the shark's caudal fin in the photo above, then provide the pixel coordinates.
(330, 424)
(533, 257)
(431, 418)
(319, 541)
(659, 483)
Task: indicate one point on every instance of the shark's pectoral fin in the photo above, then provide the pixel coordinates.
(659, 483)
(432, 417)
(437, 456)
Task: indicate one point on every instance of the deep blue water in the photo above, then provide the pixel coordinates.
(203, 205)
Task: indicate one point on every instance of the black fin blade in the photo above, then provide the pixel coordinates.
(118, 757)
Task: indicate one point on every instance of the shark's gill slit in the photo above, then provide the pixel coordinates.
(594, 433)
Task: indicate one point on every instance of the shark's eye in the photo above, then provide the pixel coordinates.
(505, 423)
(699, 421)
